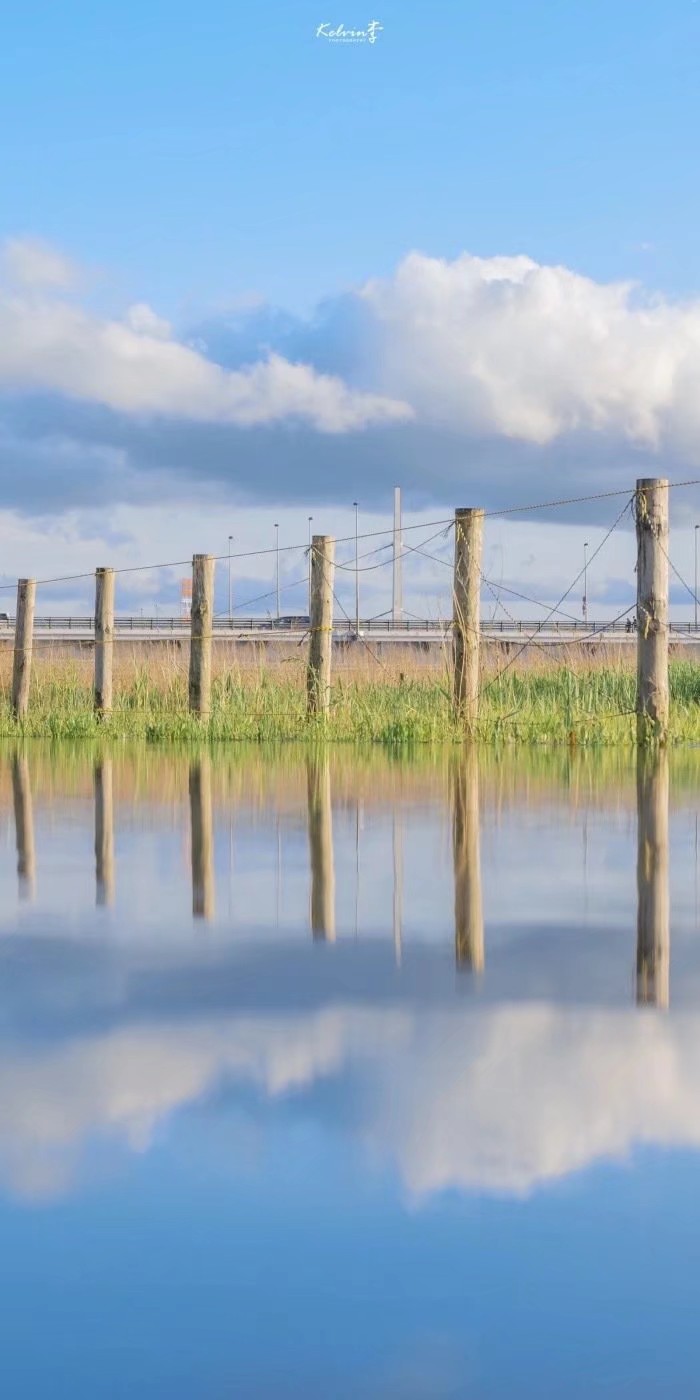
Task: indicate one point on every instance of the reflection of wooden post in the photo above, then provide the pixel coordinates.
(651, 502)
(201, 622)
(321, 847)
(24, 637)
(469, 529)
(653, 937)
(318, 676)
(469, 919)
(104, 833)
(104, 639)
(397, 851)
(24, 825)
(201, 838)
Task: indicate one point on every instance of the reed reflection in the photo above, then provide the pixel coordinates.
(653, 936)
(202, 843)
(320, 818)
(469, 918)
(24, 826)
(104, 833)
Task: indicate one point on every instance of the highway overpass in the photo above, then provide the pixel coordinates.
(137, 628)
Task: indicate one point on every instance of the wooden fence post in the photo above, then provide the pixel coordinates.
(653, 935)
(320, 815)
(469, 917)
(24, 636)
(469, 530)
(200, 633)
(104, 639)
(318, 675)
(651, 514)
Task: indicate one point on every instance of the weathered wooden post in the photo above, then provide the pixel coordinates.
(24, 825)
(320, 814)
(469, 531)
(653, 936)
(24, 637)
(104, 833)
(651, 514)
(318, 676)
(201, 836)
(104, 639)
(200, 633)
(469, 918)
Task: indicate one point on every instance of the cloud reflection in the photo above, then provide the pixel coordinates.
(494, 1099)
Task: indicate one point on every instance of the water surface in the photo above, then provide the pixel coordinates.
(347, 1074)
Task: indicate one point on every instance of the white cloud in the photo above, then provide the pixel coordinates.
(499, 348)
(508, 347)
(32, 263)
(132, 366)
(142, 319)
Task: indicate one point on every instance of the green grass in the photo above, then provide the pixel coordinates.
(592, 706)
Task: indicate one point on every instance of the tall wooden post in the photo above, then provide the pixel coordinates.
(651, 503)
(318, 675)
(24, 825)
(469, 917)
(201, 836)
(24, 637)
(104, 833)
(653, 936)
(320, 813)
(104, 639)
(200, 633)
(469, 530)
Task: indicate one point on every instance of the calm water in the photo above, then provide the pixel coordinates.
(353, 1077)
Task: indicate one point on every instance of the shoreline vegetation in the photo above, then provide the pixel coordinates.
(570, 697)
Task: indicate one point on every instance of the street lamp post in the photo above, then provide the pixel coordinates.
(230, 595)
(277, 567)
(357, 579)
(697, 527)
(584, 608)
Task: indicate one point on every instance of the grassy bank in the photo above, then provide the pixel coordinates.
(404, 699)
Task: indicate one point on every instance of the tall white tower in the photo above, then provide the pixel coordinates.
(396, 591)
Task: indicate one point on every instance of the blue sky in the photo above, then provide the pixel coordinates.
(204, 153)
(222, 186)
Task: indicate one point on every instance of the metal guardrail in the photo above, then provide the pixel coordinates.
(377, 626)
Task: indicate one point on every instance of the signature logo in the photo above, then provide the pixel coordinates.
(341, 35)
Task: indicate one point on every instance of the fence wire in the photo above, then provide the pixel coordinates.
(382, 556)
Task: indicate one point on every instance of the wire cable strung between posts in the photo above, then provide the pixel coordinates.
(679, 576)
(525, 598)
(580, 500)
(650, 503)
(494, 680)
(587, 636)
(491, 584)
(359, 636)
(349, 539)
(509, 615)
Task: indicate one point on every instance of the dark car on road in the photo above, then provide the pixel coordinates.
(292, 622)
